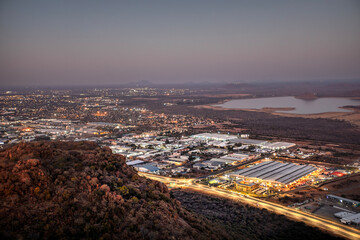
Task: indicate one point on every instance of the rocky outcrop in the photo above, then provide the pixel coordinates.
(81, 191)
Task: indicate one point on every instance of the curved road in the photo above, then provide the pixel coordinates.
(310, 219)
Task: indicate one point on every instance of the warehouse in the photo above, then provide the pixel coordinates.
(245, 187)
(274, 172)
(214, 136)
(252, 142)
(352, 219)
(342, 200)
(278, 145)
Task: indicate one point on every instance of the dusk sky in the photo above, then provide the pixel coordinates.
(114, 42)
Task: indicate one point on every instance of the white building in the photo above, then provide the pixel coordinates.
(214, 136)
(352, 219)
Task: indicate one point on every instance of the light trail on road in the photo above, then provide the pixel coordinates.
(310, 219)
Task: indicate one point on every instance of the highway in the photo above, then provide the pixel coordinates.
(310, 219)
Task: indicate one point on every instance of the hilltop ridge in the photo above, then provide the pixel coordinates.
(79, 190)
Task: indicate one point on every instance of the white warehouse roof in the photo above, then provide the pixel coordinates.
(284, 173)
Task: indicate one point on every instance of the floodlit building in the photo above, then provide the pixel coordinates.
(274, 172)
(245, 187)
(177, 160)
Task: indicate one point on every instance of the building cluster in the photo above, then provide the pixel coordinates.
(346, 217)
(12, 132)
(263, 177)
(194, 154)
(155, 151)
(93, 114)
(158, 143)
(243, 141)
(170, 155)
(274, 172)
(97, 105)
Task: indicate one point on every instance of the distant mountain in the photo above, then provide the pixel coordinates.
(77, 190)
(236, 85)
(307, 96)
(146, 83)
(143, 83)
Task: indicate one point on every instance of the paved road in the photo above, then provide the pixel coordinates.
(310, 219)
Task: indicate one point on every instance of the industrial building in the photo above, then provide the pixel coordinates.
(353, 219)
(245, 187)
(252, 142)
(263, 144)
(349, 218)
(342, 200)
(214, 136)
(278, 145)
(148, 167)
(274, 172)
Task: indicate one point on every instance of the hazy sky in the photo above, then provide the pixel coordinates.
(108, 42)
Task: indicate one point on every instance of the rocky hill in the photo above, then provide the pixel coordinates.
(77, 190)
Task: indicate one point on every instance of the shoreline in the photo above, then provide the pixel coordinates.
(266, 109)
(273, 110)
(352, 117)
(254, 97)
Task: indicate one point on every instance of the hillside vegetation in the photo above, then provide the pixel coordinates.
(77, 190)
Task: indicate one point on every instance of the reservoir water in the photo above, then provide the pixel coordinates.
(301, 106)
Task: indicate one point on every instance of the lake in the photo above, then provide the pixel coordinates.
(319, 105)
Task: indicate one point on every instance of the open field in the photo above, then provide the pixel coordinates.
(351, 117)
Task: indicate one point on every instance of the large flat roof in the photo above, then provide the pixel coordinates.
(284, 173)
(344, 199)
(248, 141)
(218, 136)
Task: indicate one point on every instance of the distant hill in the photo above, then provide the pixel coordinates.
(236, 86)
(77, 190)
(307, 96)
(141, 84)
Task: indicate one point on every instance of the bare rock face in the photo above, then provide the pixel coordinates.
(62, 190)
